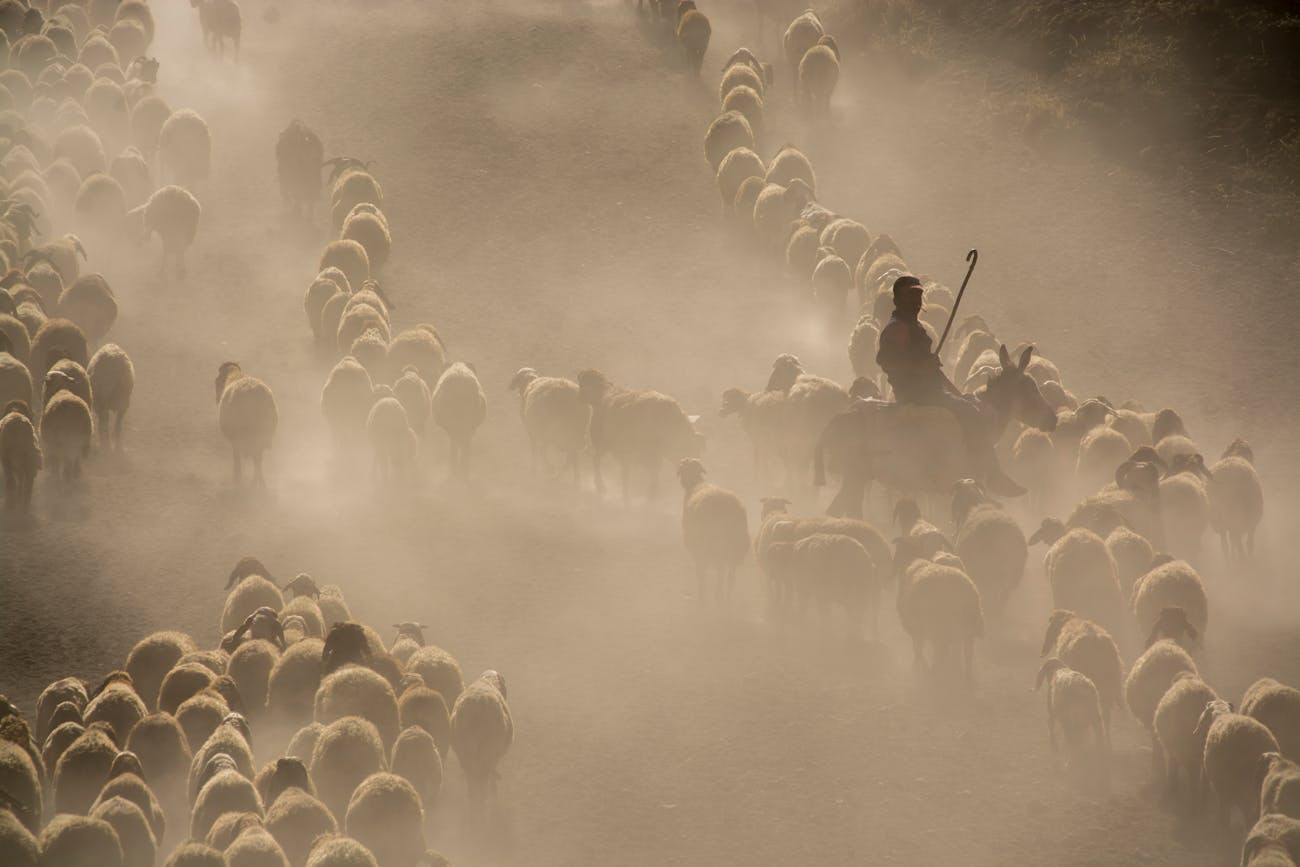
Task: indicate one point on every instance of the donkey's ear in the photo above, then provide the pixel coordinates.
(1004, 357)
(1024, 358)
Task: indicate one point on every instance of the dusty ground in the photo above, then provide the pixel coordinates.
(551, 207)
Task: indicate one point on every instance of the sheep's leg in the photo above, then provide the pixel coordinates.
(238, 466)
(595, 471)
(11, 490)
(117, 429)
(102, 418)
(257, 470)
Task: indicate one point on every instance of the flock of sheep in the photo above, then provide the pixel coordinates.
(353, 732)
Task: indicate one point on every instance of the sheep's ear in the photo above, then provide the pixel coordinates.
(1024, 358)
(1203, 724)
(1004, 356)
(692, 419)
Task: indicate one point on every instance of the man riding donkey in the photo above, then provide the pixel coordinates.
(862, 439)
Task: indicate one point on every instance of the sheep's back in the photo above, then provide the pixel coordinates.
(647, 425)
(248, 414)
(715, 526)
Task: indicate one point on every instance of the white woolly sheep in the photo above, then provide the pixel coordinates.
(1185, 504)
(410, 638)
(360, 692)
(789, 164)
(370, 230)
(355, 321)
(1072, 704)
(937, 605)
(715, 529)
(989, 542)
(348, 751)
(416, 759)
(68, 689)
(115, 702)
(830, 568)
(306, 609)
(112, 380)
(348, 256)
(89, 302)
(849, 238)
(1081, 573)
(802, 252)
(172, 213)
(1277, 706)
(228, 791)
(254, 847)
(139, 849)
(1132, 554)
(424, 707)
(292, 685)
(554, 417)
(17, 342)
(1236, 501)
(740, 75)
(392, 442)
(748, 102)
(419, 347)
(66, 374)
(1148, 680)
(351, 187)
(819, 71)
(251, 587)
(1101, 450)
(80, 841)
(1234, 746)
(746, 197)
(386, 817)
(100, 206)
(1176, 716)
(1090, 649)
(728, 131)
(132, 787)
(481, 734)
(247, 415)
(230, 739)
(318, 294)
(346, 400)
(295, 819)
(831, 281)
(20, 454)
(184, 148)
(776, 208)
(1172, 584)
(201, 714)
(81, 146)
(459, 407)
(57, 338)
(66, 433)
(165, 756)
(148, 116)
(801, 35)
(18, 847)
(250, 667)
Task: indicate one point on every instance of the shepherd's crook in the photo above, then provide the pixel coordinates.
(973, 256)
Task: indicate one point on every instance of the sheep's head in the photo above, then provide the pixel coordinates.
(966, 495)
(8, 307)
(1051, 530)
(1269, 762)
(145, 69)
(1172, 623)
(1167, 423)
(495, 679)
(225, 687)
(1239, 448)
(592, 386)
(412, 630)
(1048, 669)
(690, 471)
(785, 370)
(237, 722)
(829, 41)
(246, 567)
(1140, 477)
(1194, 464)
(290, 772)
(1213, 710)
(735, 401)
(864, 388)
(523, 377)
(773, 504)
(302, 585)
(949, 559)
(111, 678)
(57, 381)
(798, 192)
(127, 762)
(346, 643)
(215, 765)
(9, 709)
(1055, 623)
(18, 406)
(227, 373)
(65, 712)
(745, 56)
(906, 513)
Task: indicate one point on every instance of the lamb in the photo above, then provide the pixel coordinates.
(819, 71)
(459, 407)
(554, 416)
(801, 35)
(1176, 717)
(347, 751)
(1277, 706)
(1280, 791)
(1089, 649)
(1148, 680)
(139, 848)
(739, 164)
(358, 691)
(386, 817)
(481, 734)
(417, 759)
(392, 441)
(1274, 841)
(89, 302)
(728, 131)
(247, 416)
(693, 32)
(172, 213)
(20, 455)
(1081, 573)
(1172, 584)
(715, 529)
(636, 427)
(295, 819)
(1234, 746)
(80, 841)
(1072, 703)
(184, 148)
(112, 379)
(937, 605)
(989, 542)
(1236, 500)
(66, 433)
(298, 157)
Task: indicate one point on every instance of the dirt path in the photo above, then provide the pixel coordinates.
(551, 208)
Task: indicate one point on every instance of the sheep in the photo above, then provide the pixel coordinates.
(1274, 841)
(819, 71)
(741, 75)
(200, 715)
(831, 568)
(139, 849)
(802, 252)
(417, 759)
(748, 102)
(112, 380)
(227, 791)
(251, 586)
(298, 157)
(763, 416)
(937, 605)
(172, 213)
(790, 164)
(1236, 500)
(801, 35)
(385, 815)
(715, 529)
(352, 184)
(1081, 573)
(66, 374)
(728, 131)
(481, 734)
(326, 285)
(89, 302)
(1171, 584)
(66, 433)
(346, 400)
(195, 855)
(115, 701)
(831, 281)
(693, 32)
(20, 780)
(1185, 503)
(57, 742)
(1089, 649)
(254, 847)
(392, 441)
(247, 416)
(250, 666)
(347, 751)
(1148, 680)
(636, 427)
(421, 706)
(370, 230)
(1277, 706)
(306, 609)
(80, 841)
(100, 206)
(1101, 450)
(1175, 721)
(554, 417)
(419, 347)
(459, 407)
(163, 749)
(148, 117)
(1280, 790)
(18, 846)
(989, 542)
(16, 341)
(303, 743)
(219, 20)
(295, 819)
(1072, 703)
(410, 638)
(68, 689)
(57, 338)
(339, 851)
(1132, 554)
(233, 740)
(83, 769)
(776, 208)
(184, 148)
(82, 147)
(357, 691)
(20, 455)
(746, 198)
(1234, 746)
